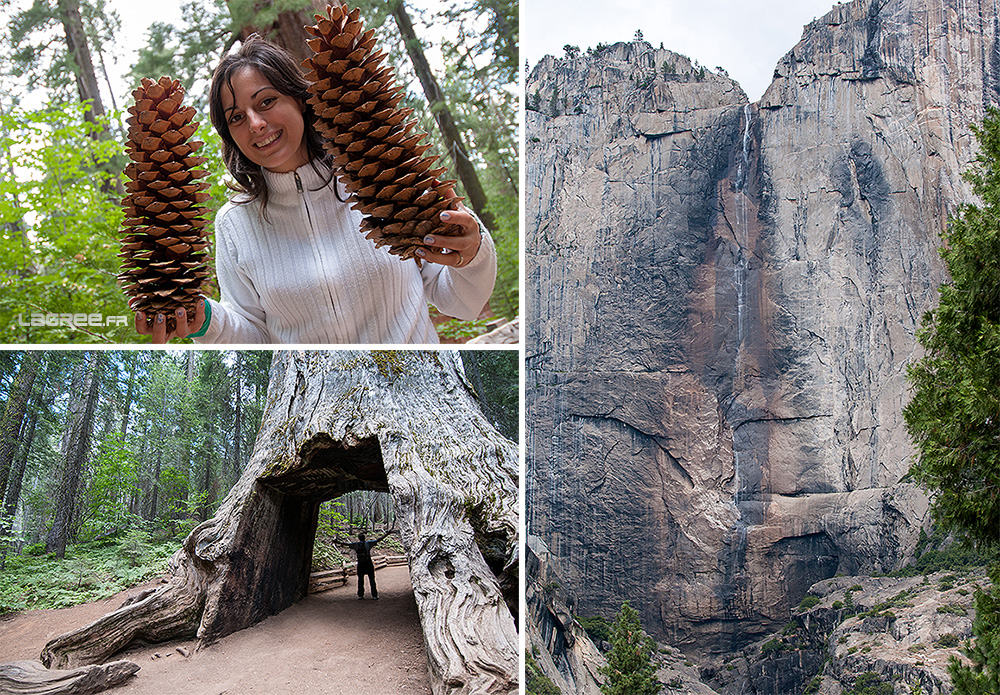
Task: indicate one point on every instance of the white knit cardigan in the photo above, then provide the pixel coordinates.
(303, 273)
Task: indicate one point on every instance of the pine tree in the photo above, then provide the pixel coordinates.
(630, 669)
(954, 414)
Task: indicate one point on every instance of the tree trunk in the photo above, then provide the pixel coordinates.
(287, 29)
(401, 422)
(133, 362)
(16, 480)
(442, 114)
(79, 51)
(237, 464)
(13, 413)
(83, 405)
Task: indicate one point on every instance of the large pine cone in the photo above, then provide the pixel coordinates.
(376, 156)
(164, 243)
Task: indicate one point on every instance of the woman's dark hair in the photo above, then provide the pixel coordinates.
(279, 68)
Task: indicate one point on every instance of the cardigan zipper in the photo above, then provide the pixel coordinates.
(302, 193)
(312, 235)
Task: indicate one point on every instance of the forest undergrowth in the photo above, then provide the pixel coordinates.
(90, 571)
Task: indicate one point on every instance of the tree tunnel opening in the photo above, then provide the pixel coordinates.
(279, 560)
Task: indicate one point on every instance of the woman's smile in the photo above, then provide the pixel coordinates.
(268, 140)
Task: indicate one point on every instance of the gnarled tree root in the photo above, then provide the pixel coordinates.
(32, 678)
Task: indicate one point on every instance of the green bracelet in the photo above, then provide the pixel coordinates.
(208, 320)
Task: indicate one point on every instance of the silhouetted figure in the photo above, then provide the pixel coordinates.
(365, 565)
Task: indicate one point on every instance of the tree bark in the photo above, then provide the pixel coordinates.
(287, 29)
(442, 114)
(79, 50)
(13, 413)
(133, 362)
(14, 484)
(77, 446)
(402, 422)
(236, 464)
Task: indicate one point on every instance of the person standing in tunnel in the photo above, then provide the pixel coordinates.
(366, 567)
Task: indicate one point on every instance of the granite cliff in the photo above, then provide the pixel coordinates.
(723, 299)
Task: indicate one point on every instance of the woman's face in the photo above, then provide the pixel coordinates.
(267, 125)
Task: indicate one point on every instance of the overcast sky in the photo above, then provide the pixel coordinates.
(746, 37)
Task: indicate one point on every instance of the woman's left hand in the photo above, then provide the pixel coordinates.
(456, 251)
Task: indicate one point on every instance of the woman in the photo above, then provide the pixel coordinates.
(292, 265)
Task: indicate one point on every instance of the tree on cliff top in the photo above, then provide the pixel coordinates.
(954, 415)
(630, 669)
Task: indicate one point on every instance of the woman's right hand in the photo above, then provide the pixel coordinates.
(185, 327)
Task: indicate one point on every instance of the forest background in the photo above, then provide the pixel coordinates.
(109, 458)
(62, 142)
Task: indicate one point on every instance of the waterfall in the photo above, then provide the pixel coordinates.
(742, 236)
(741, 231)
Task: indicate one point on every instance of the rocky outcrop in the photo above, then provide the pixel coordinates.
(556, 640)
(723, 298)
(860, 629)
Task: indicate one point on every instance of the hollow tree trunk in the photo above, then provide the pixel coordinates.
(403, 422)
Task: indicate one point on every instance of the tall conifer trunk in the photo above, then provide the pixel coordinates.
(77, 445)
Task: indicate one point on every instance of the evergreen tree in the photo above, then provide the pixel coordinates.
(630, 669)
(954, 414)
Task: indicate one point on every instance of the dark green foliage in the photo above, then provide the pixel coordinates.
(952, 609)
(597, 626)
(114, 482)
(772, 647)
(954, 413)
(495, 375)
(39, 48)
(630, 669)
(948, 640)
(162, 455)
(938, 553)
(188, 52)
(983, 677)
(808, 601)
(537, 682)
(870, 683)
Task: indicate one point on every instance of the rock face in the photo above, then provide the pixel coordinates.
(723, 298)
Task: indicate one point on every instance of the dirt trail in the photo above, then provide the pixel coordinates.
(327, 644)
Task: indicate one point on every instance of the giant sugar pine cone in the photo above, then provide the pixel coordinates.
(164, 243)
(376, 156)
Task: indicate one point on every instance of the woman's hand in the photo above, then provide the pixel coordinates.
(185, 327)
(456, 251)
